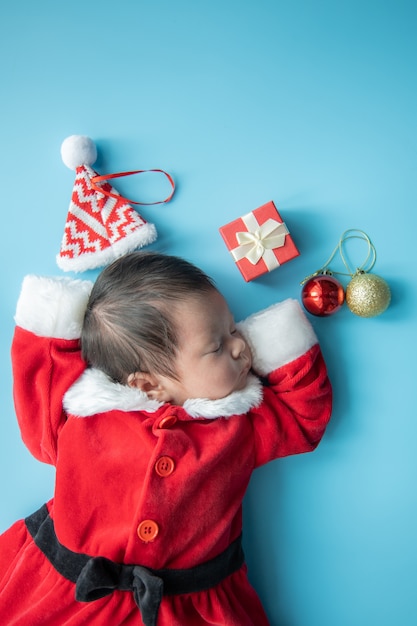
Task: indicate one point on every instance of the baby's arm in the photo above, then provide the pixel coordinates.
(297, 396)
(46, 357)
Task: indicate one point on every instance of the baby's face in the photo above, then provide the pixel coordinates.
(213, 359)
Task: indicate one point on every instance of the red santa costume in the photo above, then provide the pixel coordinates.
(146, 519)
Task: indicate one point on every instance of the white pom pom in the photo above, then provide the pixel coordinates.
(78, 150)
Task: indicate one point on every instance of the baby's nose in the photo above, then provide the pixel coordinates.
(238, 347)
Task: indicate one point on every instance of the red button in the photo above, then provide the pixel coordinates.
(148, 530)
(164, 466)
(168, 421)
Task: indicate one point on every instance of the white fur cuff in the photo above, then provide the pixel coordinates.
(277, 335)
(53, 307)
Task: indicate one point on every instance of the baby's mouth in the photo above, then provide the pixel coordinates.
(245, 369)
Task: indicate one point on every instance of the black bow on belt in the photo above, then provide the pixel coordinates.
(97, 577)
(100, 577)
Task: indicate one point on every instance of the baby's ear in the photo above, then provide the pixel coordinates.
(148, 383)
(142, 380)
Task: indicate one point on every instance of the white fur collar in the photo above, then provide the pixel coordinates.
(95, 393)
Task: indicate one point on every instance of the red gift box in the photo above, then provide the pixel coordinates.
(259, 242)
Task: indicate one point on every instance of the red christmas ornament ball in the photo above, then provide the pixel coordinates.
(322, 295)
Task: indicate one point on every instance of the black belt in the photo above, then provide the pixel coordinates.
(97, 577)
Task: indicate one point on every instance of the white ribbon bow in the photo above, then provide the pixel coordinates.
(259, 241)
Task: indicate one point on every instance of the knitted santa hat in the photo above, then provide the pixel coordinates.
(101, 225)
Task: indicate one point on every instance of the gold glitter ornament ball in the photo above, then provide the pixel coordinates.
(367, 295)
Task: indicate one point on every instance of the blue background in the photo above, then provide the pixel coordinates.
(312, 105)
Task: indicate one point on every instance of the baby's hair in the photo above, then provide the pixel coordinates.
(127, 325)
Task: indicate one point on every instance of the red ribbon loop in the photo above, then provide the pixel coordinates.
(106, 177)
